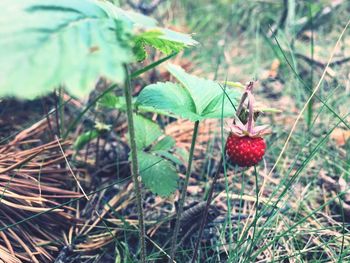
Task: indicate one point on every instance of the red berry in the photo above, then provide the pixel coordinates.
(245, 151)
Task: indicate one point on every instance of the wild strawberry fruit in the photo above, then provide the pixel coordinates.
(245, 146)
(245, 151)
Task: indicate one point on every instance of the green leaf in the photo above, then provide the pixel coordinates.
(45, 44)
(137, 19)
(146, 131)
(168, 97)
(85, 138)
(111, 101)
(158, 174)
(196, 99)
(182, 153)
(164, 144)
(164, 40)
(205, 93)
(178, 37)
(169, 156)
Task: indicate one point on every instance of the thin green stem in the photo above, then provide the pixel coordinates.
(183, 193)
(134, 164)
(256, 211)
(310, 105)
(343, 230)
(206, 210)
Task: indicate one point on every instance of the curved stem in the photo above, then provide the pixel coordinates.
(183, 193)
(247, 93)
(206, 210)
(134, 165)
(251, 112)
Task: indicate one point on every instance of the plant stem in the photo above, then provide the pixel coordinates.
(183, 193)
(256, 211)
(206, 210)
(134, 164)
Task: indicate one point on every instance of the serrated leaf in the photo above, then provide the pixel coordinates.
(155, 39)
(214, 108)
(164, 144)
(158, 174)
(203, 91)
(168, 97)
(196, 99)
(45, 44)
(146, 131)
(85, 138)
(164, 40)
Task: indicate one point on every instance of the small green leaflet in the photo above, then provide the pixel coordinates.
(146, 132)
(111, 101)
(195, 99)
(158, 174)
(163, 40)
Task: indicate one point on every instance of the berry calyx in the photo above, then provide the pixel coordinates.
(245, 151)
(245, 146)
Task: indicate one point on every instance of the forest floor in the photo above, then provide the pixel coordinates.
(294, 207)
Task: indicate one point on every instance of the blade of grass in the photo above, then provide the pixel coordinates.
(308, 101)
(313, 94)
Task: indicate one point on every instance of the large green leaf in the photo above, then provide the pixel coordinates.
(158, 174)
(111, 101)
(146, 132)
(44, 44)
(196, 99)
(169, 97)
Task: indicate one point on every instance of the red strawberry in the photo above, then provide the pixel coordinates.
(245, 151)
(245, 145)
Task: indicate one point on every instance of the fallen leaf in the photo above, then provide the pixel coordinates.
(274, 68)
(340, 136)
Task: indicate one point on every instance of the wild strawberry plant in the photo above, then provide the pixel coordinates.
(49, 44)
(196, 99)
(71, 43)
